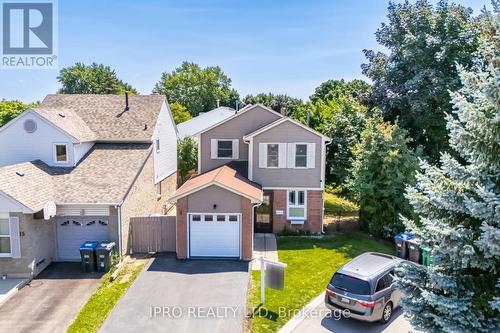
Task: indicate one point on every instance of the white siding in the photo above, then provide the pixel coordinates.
(165, 161)
(82, 210)
(17, 146)
(7, 204)
(81, 149)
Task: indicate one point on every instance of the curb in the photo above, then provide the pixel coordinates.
(295, 321)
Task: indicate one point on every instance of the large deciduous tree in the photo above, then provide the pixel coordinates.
(92, 79)
(283, 104)
(383, 166)
(10, 109)
(458, 205)
(411, 81)
(357, 90)
(180, 113)
(198, 89)
(187, 156)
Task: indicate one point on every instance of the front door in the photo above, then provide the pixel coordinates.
(264, 213)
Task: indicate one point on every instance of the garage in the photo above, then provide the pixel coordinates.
(73, 231)
(214, 235)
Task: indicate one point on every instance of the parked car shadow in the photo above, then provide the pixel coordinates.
(349, 325)
(169, 263)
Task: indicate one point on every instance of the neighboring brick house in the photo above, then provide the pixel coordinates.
(259, 151)
(76, 169)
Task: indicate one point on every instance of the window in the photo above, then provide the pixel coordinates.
(5, 247)
(208, 218)
(233, 218)
(60, 153)
(301, 155)
(221, 218)
(384, 282)
(224, 148)
(350, 284)
(196, 218)
(157, 144)
(272, 155)
(296, 205)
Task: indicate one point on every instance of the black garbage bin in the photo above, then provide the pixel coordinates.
(414, 251)
(104, 254)
(87, 253)
(402, 245)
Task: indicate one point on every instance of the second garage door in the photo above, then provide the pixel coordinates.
(74, 231)
(214, 235)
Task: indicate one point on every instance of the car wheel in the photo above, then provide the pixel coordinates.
(386, 313)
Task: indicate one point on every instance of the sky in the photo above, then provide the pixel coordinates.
(281, 46)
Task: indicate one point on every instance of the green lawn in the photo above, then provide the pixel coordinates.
(335, 205)
(311, 263)
(103, 300)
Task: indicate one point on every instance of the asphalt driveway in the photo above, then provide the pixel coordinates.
(170, 295)
(50, 302)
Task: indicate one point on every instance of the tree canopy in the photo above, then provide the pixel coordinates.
(356, 90)
(11, 109)
(383, 165)
(458, 210)
(411, 82)
(92, 79)
(180, 113)
(283, 104)
(198, 89)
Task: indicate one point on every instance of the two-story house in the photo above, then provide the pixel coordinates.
(259, 171)
(76, 169)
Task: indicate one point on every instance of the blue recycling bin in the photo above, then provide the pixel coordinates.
(87, 253)
(401, 241)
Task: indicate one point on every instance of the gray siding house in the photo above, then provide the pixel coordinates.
(77, 169)
(272, 163)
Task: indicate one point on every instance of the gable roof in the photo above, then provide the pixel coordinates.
(103, 176)
(281, 121)
(90, 117)
(197, 124)
(224, 177)
(239, 113)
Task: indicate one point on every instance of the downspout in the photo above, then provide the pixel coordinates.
(119, 210)
(253, 223)
(323, 194)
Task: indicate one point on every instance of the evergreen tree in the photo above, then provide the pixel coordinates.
(458, 205)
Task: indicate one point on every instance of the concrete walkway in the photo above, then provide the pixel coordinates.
(10, 286)
(264, 246)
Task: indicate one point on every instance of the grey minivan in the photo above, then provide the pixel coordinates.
(364, 287)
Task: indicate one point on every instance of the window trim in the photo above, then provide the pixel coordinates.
(9, 236)
(295, 154)
(54, 148)
(232, 150)
(296, 205)
(267, 155)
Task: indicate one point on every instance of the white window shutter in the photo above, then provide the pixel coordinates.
(282, 155)
(213, 148)
(291, 156)
(15, 239)
(236, 149)
(311, 155)
(262, 155)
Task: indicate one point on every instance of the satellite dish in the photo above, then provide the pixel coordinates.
(49, 210)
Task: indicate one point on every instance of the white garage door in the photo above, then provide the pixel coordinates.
(74, 231)
(214, 235)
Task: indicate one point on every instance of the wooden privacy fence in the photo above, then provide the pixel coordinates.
(152, 234)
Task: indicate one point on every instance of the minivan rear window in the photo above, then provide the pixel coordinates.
(350, 284)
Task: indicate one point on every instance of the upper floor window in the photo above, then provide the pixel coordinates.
(301, 155)
(224, 149)
(272, 155)
(60, 153)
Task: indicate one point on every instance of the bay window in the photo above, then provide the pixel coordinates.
(297, 205)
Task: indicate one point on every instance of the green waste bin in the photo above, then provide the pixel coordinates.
(427, 259)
